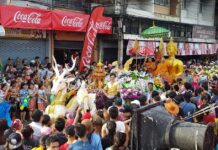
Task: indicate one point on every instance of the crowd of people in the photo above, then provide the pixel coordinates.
(25, 91)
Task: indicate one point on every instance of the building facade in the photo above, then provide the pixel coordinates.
(191, 23)
(62, 44)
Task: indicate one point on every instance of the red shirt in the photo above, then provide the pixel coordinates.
(64, 146)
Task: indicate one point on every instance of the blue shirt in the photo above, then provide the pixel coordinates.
(80, 145)
(23, 94)
(187, 109)
(188, 78)
(5, 112)
(95, 141)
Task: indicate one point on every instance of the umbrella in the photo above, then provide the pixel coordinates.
(155, 32)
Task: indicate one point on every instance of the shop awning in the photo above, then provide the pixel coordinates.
(63, 20)
(34, 18)
(23, 17)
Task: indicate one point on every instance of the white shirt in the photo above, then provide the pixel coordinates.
(37, 130)
(120, 127)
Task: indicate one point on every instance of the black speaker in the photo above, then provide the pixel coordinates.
(153, 128)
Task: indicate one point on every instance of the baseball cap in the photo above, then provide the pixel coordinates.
(14, 141)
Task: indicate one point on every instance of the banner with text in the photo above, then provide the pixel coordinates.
(23, 17)
(91, 33)
(69, 21)
(183, 49)
(33, 18)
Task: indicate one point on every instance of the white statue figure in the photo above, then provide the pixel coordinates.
(59, 89)
(63, 90)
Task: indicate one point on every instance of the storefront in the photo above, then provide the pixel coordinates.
(23, 43)
(37, 32)
(67, 44)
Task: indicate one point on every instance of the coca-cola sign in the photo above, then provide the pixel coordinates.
(106, 25)
(23, 17)
(90, 37)
(32, 18)
(74, 22)
(69, 21)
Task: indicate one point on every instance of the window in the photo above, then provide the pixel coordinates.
(184, 4)
(132, 26)
(201, 6)
(162, 2)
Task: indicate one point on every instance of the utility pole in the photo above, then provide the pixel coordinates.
(121, 11)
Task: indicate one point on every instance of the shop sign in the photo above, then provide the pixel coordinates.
(23, 17)
(25, 33)
(63, 20)
(204, 32)
(32, 18)
(104, 25)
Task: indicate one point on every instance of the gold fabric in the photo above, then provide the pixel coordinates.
(112, 89)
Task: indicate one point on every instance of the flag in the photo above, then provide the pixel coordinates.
(136, 47)
(91, 33)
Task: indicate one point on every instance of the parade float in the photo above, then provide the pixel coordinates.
(67, 100)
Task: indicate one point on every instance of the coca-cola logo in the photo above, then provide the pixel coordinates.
(91, 36)
(73, 22)
(32, 18)
(106, 25)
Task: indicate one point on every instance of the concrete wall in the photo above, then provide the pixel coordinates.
(207, 15)
(27, 4)
(141, 8)
(192, 14)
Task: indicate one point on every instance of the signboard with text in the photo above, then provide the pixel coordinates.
(204, 32)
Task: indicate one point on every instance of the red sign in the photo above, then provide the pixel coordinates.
(90, 37)
(69, 21)
(104, 25)
(23, 17)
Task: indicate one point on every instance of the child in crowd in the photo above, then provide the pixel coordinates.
(33, 94)
(24, 94)
(42, 98)
(46, 123)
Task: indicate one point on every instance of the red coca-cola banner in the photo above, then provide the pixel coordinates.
(69, 21)
(104, 25)
(23, 17)
(91, 33)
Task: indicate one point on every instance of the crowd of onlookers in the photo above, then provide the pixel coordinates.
(109, 128)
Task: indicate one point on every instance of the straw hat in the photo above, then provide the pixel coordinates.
(172, 107)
